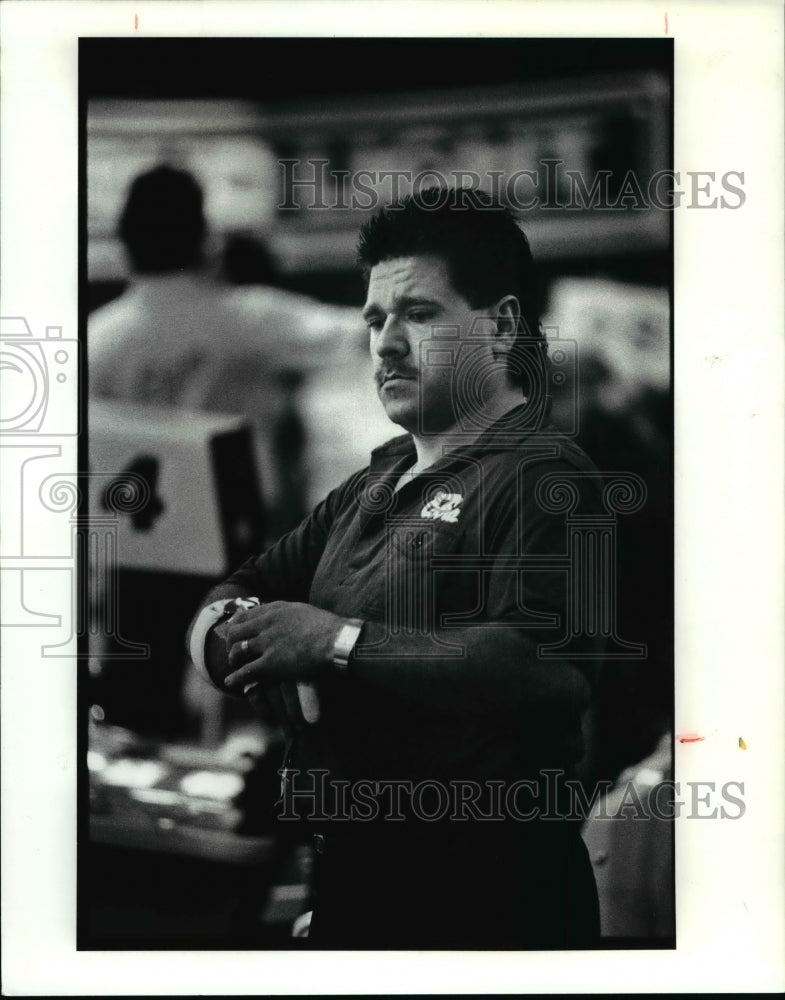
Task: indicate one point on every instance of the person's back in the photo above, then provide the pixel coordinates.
(150, 345)
(177, 337)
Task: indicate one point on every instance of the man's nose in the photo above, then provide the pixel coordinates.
(392, 340)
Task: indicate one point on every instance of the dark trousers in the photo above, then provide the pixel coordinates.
(526, 886)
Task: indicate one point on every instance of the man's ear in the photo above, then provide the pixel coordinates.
(508, 318)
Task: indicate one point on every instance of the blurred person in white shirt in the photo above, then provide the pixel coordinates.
(179, 338)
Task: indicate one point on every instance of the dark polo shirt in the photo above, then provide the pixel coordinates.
(468, 559)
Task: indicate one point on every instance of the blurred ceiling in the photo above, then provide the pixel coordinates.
(281, 69)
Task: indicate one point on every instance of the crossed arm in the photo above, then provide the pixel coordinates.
(488, 668)
(469, 670)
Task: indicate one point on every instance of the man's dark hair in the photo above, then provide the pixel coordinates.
(163, 225)
(486, 253)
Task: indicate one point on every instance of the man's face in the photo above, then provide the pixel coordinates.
(408, 297)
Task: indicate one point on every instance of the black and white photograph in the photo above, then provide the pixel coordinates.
(378, 370)
(377, 455)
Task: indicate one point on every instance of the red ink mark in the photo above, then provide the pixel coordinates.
(691, 739)
(136, 22)
(666, 22)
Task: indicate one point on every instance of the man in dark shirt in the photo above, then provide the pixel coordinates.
(421, 634)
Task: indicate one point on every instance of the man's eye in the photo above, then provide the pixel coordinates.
(374, 325)
(419, 315)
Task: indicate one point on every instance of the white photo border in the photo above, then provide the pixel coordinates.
(729, 348)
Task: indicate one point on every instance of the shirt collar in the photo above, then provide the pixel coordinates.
(515, 426)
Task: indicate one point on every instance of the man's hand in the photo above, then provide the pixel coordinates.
(280, 641)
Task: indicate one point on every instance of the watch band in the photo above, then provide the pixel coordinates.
(208, 618)
(345, 642)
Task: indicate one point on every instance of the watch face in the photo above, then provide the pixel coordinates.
(345, 643)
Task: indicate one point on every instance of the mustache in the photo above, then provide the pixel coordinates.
(388, 371)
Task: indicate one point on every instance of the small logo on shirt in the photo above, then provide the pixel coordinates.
(443, 507)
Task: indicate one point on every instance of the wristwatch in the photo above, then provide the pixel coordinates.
(208, 618)
(345, 642)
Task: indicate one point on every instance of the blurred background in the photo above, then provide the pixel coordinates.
(229, 390)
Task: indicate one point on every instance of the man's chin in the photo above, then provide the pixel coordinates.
(401, 412)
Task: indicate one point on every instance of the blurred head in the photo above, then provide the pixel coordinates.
(163, 225)
(453, 258)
